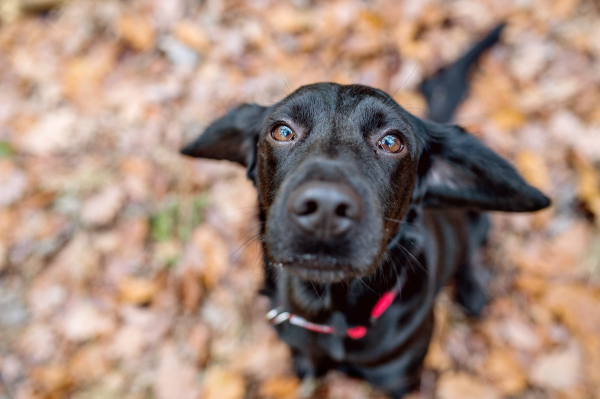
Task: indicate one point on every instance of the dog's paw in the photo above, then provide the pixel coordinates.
(472, 298)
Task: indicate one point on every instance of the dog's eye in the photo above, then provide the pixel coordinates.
(282, 133)
(391, 143)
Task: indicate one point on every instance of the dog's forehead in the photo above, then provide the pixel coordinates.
(364, 106)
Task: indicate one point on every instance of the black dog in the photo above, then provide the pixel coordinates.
(368, 211)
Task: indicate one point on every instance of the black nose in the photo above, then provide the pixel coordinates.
(325, 209)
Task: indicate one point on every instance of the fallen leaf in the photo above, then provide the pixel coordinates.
(89, 364)
(504, 372)
(52, 133)
(84, 321)
(557, 370)
(588, 185)
(280, 388)
(577, 307)
(103, 207)
(175, 378)
(137, 31)
(128, 343)
(463, 386)
(38, 343)
(3, 256)
(83, 76)
(533, 168)
(198, 342)
(520, 335)
(192, 35)
(215, 254)
(137, 291)
(51, 378)
(223, 384)
(13, 183)
(190, 290)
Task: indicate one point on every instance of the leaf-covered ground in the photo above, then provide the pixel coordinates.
(129, 272)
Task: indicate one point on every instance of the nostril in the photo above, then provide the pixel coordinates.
(342, 210)
(307, 208)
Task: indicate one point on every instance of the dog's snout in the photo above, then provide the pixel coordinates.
(325, 209)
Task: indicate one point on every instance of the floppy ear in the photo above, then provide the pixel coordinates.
(457, 170)
(232, 137)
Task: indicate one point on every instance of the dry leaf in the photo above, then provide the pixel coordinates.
(51, 378)
(89, 364)
(222, 384)
(215, 254)
(505, 372)
(128, 343)
(280, 388)
(84, 321)
(103, 207)
(137, 291)
(558, 370)
(533, 168)
(137, 31)
(198, 342)
(192, 35)
(3, 256)
(520, 335)
(175, 378)
(190, 291)
(463, 386)
(13, 183)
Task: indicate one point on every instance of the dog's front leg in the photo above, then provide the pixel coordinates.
(401, 375)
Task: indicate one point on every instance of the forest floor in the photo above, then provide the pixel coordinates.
(128, 271)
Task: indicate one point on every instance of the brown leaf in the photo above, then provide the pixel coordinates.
(51, 378)
(137, 291)
(175, 378)
(520, 335)
(191, 291)
(77, 263)
(82, 76)
(51, 133)
(215, 254)
(533, 168)
(102, 208)
(128, 343)
(192, 35)
(588, 185)
(463, 386)
(137, 31)
(198, 342)
(280, 388)
(88, 364)
(505, 372)
(38, 343)
(576, 306)
(84, 321)
(223, 384)
(13, 183)
(285, 18)
(3, 256)
(557, 370)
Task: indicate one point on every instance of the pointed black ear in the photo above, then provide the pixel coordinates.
(232, 137)
(457, 170)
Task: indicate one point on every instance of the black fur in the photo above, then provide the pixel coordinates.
(419, 222)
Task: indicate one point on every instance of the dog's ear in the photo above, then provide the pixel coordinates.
(457, 170)
(232, 137)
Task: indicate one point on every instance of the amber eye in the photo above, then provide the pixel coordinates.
(391, 143)
(283, 133)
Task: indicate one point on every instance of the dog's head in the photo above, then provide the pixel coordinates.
(337, 167)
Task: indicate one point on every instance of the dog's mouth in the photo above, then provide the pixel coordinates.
(321, 268)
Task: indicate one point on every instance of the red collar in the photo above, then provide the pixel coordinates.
(277, 316)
